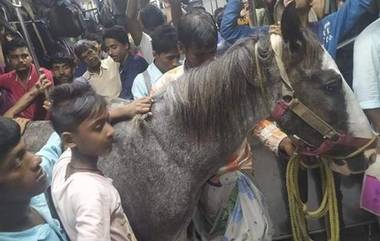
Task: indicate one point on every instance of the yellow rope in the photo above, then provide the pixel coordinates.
(299, 212)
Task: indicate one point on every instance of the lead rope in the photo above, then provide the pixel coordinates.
(300, 213)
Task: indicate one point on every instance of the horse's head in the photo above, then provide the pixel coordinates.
(319, 108)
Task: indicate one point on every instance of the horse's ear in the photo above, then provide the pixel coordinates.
(291, 28)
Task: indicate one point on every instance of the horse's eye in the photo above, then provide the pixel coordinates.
(332, 86)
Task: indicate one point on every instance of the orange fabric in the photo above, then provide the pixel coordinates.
(242, 159)
(269, 134)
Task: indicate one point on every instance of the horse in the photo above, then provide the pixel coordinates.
(160, 164)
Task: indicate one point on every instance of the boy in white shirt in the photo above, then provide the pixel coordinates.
(166, 57)
(87, 203)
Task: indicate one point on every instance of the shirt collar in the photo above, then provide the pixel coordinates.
(154, 69)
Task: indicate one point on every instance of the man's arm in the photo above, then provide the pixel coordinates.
(50, 154)
(28, 98)
(333, 27)
(128, 111)
(176, 11)
(374, 117)
(133, 25)
(273, 138)
(229, 28)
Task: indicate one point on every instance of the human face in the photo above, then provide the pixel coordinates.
(20, 59)
(94, 136)
(167, 61)
(116, 50)
(21, 176)
(195, 57)
(63, 73)
(90, 58)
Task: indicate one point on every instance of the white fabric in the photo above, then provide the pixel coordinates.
(107, 83)
(366, 73)
(88, 205)
(357, 121)
(145, 47)
(139, 88)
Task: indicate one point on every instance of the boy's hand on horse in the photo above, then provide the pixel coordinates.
(128, 111)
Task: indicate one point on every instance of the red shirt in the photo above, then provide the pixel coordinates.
(9, 81)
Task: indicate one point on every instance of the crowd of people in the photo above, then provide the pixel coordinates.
(131, 64)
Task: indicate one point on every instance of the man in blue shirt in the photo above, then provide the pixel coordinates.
(117, 46)
(24, 212)
(330, 30)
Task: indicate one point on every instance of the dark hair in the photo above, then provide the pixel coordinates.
(9, 135)
(82, 46)
(118, 33)
(72, 104)
(151, 17)
(14, 44)
(164, 39)
(62, 58)
(93, 37)
(197, 30)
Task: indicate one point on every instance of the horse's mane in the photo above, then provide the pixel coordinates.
(208, 99)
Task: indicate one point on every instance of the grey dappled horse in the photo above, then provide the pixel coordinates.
(159, 165)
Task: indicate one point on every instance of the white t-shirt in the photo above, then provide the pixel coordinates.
(88, 205)
(145, 47)
(139, 88)
(366, 73)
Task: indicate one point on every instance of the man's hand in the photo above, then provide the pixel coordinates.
(47, 105)
(128, 111)
(41, 85)
(141, 106)
(286, 146)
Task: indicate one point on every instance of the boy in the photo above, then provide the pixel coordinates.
(166, 57)
(24, 212)
(87, 203)
(117, 46)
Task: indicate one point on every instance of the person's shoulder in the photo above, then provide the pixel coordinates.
(370, 35)
(89, 183)
(8, 75)
(145, 38)
(139, 78)
(139, 60)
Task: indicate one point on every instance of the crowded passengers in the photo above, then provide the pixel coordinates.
(116, 76)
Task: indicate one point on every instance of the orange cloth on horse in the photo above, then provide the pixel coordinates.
(269, 134)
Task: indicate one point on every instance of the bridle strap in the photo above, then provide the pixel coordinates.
(276, 42)
(312, 119)
(295, 105)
